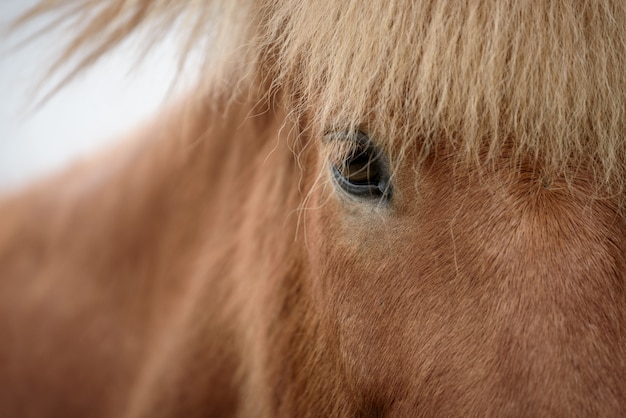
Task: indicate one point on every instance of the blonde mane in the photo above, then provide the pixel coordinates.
(545, 79)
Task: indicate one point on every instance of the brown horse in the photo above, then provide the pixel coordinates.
(365, 209)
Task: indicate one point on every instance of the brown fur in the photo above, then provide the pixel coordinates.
(212, 268)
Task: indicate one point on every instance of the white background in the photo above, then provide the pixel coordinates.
(97, 107)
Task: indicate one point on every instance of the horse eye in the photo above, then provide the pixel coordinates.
(362, 172)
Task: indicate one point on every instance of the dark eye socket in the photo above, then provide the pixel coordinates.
(362, 172)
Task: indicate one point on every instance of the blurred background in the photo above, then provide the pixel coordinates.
(117, 94)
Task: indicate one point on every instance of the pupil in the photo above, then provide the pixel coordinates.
(360, 169)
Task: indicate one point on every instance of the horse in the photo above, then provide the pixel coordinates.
(362, 209)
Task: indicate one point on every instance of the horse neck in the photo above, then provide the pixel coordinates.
(230, 184)
(173, 245)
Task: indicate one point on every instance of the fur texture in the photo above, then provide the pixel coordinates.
(213, 267)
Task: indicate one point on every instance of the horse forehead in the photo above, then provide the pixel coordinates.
(544, 79)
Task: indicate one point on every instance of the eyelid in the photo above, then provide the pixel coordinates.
(359, 137)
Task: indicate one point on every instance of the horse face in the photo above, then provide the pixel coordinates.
(427, 282)
(458, 290)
